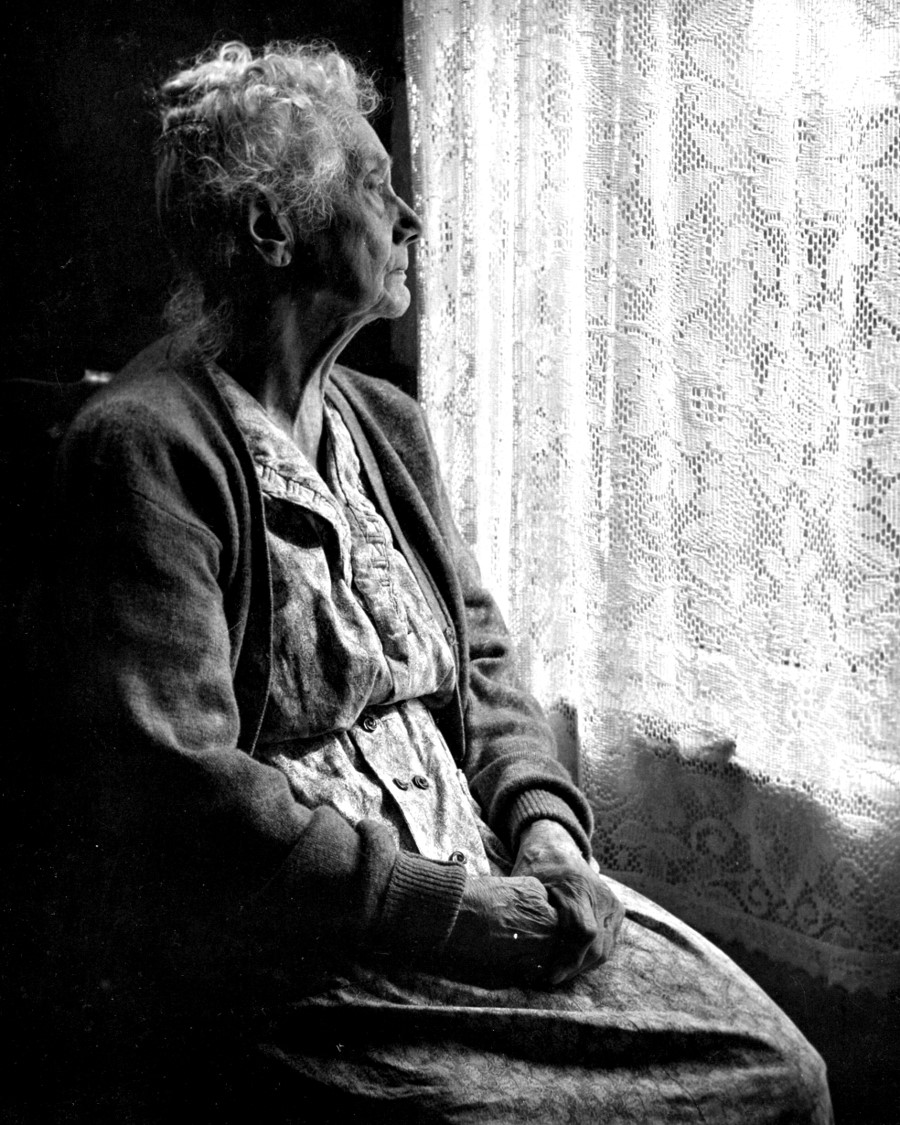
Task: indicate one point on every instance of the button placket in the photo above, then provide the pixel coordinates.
(431, 810)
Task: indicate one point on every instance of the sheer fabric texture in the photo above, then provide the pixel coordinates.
(660, 352)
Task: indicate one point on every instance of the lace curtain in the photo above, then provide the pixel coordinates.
(659, 293)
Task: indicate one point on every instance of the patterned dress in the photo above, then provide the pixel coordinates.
(669, 1030)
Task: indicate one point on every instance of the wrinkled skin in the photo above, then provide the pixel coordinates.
(357, 265)
(552, 919)
(589, 914)
(319, 290)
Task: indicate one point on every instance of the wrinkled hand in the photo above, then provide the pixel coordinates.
(589, 913)
(505, 932)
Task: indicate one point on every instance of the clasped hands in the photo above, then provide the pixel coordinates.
(550, 920)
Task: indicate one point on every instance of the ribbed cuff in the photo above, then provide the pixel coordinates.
(420, 905)
(539, 804)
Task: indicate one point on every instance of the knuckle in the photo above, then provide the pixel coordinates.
(585, 925)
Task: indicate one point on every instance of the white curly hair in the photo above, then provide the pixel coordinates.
(235, 124)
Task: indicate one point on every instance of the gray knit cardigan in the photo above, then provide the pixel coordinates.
(190, 850)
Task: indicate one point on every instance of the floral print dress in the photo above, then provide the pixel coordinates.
(669, 1030)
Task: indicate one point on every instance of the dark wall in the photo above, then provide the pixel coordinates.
(85, 274)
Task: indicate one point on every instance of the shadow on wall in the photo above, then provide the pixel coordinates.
(85, 271)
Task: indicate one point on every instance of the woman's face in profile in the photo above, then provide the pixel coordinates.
(362, 257)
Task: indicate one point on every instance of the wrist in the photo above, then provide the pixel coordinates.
(421, 904)
(544, 836)
(533, 805)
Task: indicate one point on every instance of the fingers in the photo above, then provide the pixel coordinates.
(525, 926)
(578, 929)
(548, 927)
(589, 920)
(505, 931)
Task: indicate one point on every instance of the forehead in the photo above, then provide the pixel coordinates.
(364, 145)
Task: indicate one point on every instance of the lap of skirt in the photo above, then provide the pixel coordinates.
(668, 1030)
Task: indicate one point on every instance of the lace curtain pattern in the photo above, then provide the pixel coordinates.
(660, 351)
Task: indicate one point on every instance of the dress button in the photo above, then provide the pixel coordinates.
(401, 784)
(368, 723)
(421, 782)
(457, 857)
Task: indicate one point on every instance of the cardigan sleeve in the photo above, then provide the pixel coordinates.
(511, 762)
(189, 845)
(509, 757)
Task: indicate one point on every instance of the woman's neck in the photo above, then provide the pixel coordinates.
(286, 367)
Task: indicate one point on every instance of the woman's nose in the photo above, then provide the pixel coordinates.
(408, 225)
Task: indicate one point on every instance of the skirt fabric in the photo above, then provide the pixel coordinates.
(669, 1030)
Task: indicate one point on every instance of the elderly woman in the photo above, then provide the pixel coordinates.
(319, 857)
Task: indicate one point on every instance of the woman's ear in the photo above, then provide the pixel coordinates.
(271, 233)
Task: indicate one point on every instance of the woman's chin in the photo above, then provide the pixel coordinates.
(394, 301)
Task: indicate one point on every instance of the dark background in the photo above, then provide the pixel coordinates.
(85, 273)
(85, 277)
